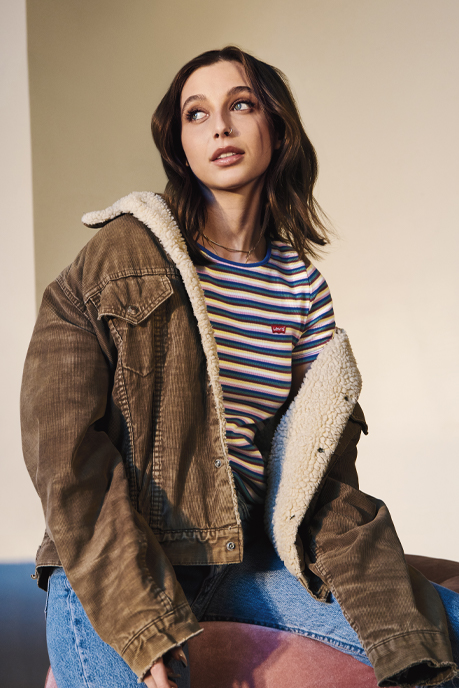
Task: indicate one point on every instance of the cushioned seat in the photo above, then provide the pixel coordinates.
(236, 655)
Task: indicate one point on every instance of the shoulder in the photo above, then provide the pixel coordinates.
(285, 254)
(286, 259)
(122, 242)
(122, 247)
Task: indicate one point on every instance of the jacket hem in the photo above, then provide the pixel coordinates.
(417, 658)
(212, 547)
(160, 636)
(46, 559)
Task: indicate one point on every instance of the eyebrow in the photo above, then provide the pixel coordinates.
(232, 92)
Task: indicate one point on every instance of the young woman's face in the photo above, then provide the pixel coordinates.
(226, 136)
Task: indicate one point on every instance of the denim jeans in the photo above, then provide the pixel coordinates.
(259, 590)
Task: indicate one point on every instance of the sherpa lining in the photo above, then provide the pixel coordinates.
(315, 419)
(305, 441)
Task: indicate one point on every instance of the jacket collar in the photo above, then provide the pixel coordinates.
(308, 433)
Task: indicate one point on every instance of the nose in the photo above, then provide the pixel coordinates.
(222, 124)
(226, 132)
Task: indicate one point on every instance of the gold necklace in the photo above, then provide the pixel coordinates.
(235, 250)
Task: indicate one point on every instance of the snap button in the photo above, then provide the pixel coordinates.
(321, 450)
(132, 310)
(217, 463)
(230, 546)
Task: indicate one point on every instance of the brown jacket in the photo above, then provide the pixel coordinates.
(124, 438)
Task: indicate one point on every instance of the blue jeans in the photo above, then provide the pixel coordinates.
(259, 590)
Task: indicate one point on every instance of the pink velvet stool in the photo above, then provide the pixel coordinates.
(236, 655)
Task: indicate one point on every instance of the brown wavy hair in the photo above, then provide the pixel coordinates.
(290, 211)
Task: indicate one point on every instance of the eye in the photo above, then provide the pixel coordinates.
(243, 105)
(195, 115)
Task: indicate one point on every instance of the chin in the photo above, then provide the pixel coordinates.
(235, 183)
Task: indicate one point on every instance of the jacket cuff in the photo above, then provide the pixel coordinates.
(160, 636)
(413, 659)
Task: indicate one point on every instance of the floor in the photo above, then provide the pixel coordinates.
(23, 655)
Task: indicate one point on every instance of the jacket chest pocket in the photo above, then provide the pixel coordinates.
(130, 303)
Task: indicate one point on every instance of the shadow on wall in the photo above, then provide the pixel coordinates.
(23, 654)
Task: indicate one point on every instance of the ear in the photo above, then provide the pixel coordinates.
(277, 140)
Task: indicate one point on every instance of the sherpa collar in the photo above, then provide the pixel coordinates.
(308, 433)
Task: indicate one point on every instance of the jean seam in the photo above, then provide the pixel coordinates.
(47, 598)
(326, 640)
(70, 592)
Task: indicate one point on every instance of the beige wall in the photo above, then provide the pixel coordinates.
(376, 81)
(21, 521)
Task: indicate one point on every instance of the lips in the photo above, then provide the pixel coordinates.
(227, 152)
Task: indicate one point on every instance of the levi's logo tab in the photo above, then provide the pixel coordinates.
(278, 329)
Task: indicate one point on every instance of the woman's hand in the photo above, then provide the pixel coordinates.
(160, 675)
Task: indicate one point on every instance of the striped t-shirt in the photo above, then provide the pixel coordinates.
(266, 317)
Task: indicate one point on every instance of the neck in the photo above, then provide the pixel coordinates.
(233, 220)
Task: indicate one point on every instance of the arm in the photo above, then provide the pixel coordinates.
(354, 549)
(114, 562)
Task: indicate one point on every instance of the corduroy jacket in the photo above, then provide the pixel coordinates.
(124, 437)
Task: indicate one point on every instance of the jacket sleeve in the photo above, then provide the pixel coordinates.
(113, 561)
(355, 551)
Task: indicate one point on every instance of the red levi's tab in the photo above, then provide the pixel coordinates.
(278, 329)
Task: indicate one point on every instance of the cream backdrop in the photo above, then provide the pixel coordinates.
(20, 513)
(376, 82)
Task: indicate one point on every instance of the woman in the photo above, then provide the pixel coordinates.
(184, 383)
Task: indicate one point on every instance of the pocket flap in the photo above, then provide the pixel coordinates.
(134, 298)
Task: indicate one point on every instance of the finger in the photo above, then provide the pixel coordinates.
(171, 673)
(159, 673)
(178, 654)
(150, 682)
